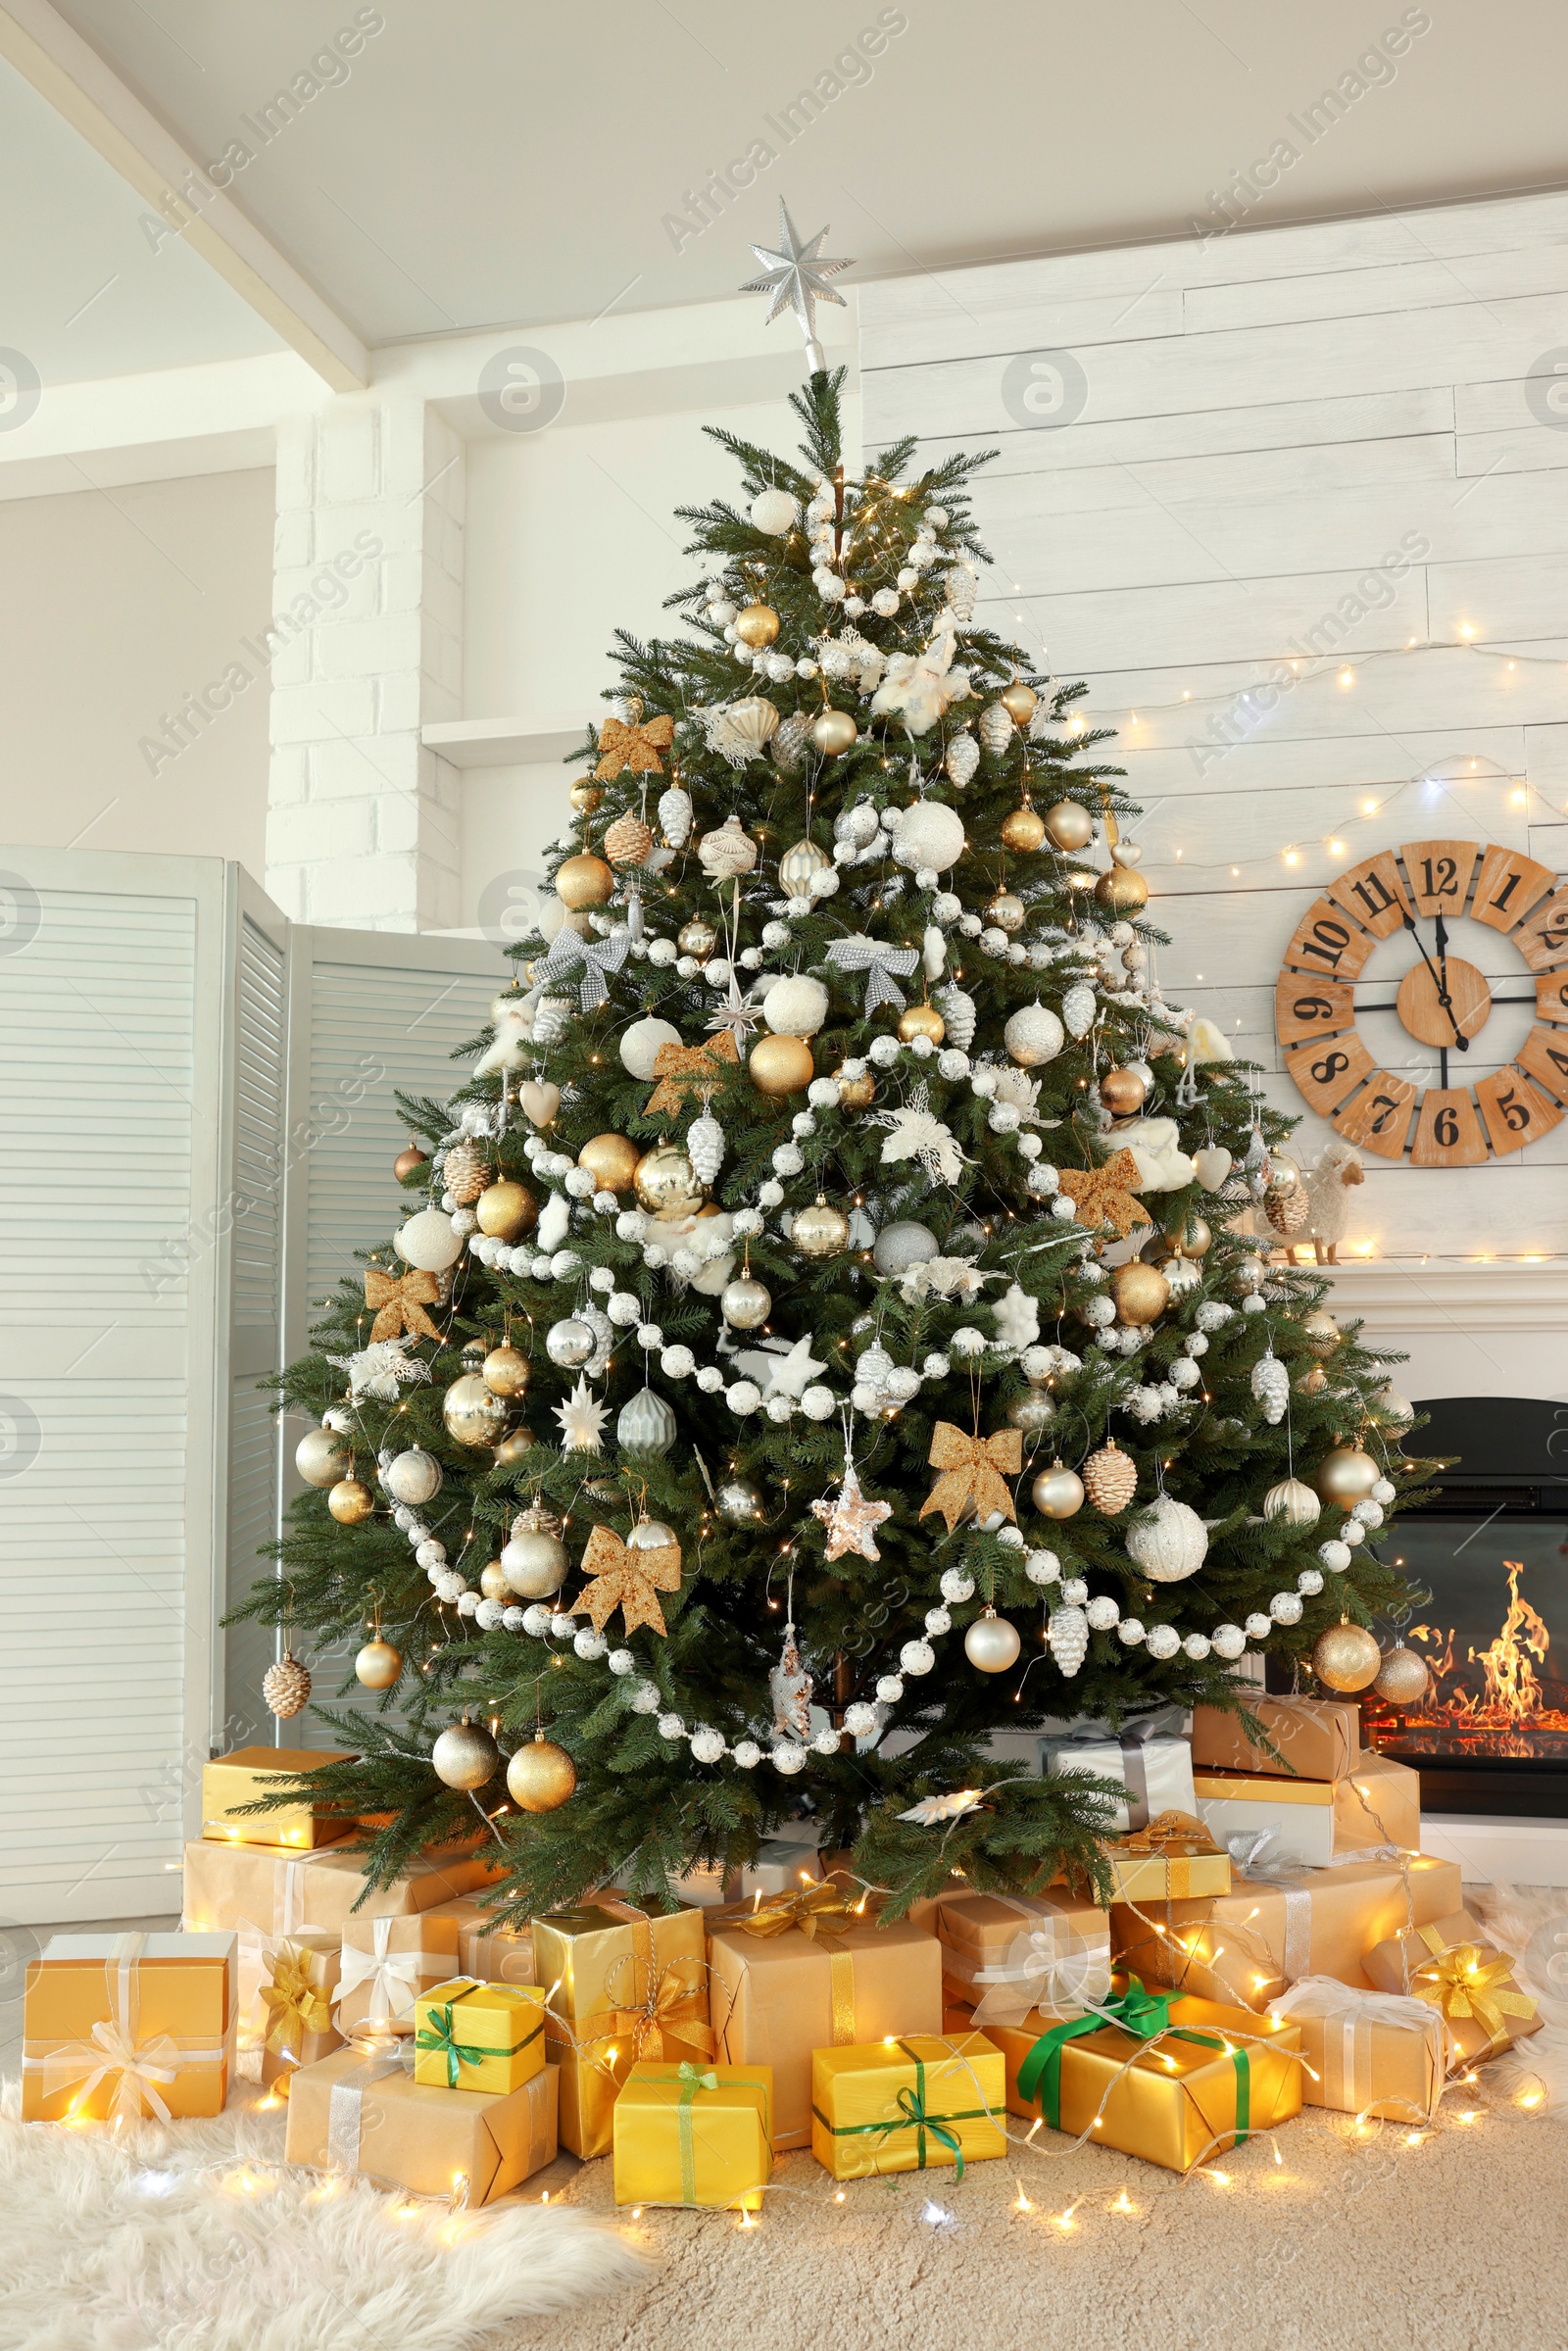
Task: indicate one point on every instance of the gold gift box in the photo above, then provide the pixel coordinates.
(1014, 2042)
(473, 2036)
(387, 1962)
(1378, 1802)
(694, 2134)
(167, 2005)
(1452, 1964)
(1176, 2102)
(1243, 1947)
(1319, 1739)
(1362, 2055)
(298, 2005)
(356, 2112)
(1173, 1860)
(898, 2105)
(248, 1772)
(777, 2000)
(619, 1985)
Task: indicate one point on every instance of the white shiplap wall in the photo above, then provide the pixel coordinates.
(1267, 417)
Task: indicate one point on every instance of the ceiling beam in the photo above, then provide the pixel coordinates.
(71, 74)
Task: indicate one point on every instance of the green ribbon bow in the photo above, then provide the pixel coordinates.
(915, 2115)
(1146, 2016)
(691, 2079)
(443, 2036)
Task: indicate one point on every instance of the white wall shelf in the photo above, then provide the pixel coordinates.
(504, 742)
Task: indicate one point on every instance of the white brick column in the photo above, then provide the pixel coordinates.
(366, 648)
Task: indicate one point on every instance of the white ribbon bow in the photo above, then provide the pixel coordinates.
(1352, 2013)
(112, 2050)
(394, 1977)
(570, 954)
(879, 962)
(1039, 1974)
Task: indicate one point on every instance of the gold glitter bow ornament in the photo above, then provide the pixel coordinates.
(972, 1472)
(296, 2007)
(627, 1577)
(672, 2006)
(1470, 1979)
(683, 1070)
(1105, 1197)
(400, 1301)
(636, 747)
(822, 1909)
(1169, 1833)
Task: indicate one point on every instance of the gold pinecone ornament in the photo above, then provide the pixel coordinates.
(1111, 1479)
(285, 1686)
(465, 1171)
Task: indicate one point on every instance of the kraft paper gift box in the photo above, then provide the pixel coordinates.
(694, 2135)
(620, 1985)
(263, 1891)
(1150, 1757)
(1171, 1860)
(1371, 2053)
(1243, 1947)
(782, 1990)
(496, 1954)
(386, 1963)
(129, 2025)
(1319, 1739)
(298, 2004)
(1009, 1953)
(248, 1772)
(1450, 1965)
(908, 2104)
(1178, 2080)
(1378, 1802)
(1297, 1816)
(473, 2036)
(358, 2111)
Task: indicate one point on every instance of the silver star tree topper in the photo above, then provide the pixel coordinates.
(796, 275)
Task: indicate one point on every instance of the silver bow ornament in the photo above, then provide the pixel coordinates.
(879, 962)
(569, 955)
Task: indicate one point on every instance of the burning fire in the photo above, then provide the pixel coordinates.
(1511, 1708)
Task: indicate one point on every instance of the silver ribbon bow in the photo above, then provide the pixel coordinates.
(570, 954)
(879, 962)
(1043, 1970)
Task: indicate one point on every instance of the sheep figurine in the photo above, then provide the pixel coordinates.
(1336, 1167)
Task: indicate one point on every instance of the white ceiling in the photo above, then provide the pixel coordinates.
(505, 163)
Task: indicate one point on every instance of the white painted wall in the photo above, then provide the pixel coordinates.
(1265, 419)
(116, 605)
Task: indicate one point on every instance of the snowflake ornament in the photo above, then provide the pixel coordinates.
(582, 1419)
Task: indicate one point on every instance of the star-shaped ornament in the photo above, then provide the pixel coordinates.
(736, 1014)
(792, 1374)
(582, 1419)
(796, 275)
(850, 1520)
(1106, 1199)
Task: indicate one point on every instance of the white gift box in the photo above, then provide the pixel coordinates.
(1297, 1816)
(1151, 1758)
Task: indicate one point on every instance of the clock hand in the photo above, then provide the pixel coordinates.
(1459, 1037)
(1444, 999)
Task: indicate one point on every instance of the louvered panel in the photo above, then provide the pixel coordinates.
(253, 1492)
(259, 1046)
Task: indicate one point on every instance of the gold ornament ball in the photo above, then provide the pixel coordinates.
(1347, 1475)
(992, 1643)
(1312, 1382)
(821, 1231)
(611, 1160)
(493, 1580)
(465, 1755)
(586, 796)
(1293, 1502)
(350, 1501)
(321, 1457)
(1006, 911)
(1123, 1092)
(507, 1370)
(757, 626)
(667, 1182)
(377, 1665)
(540, 1776)
(506, 1209)
(696, 939)
(1059, 1492)
(1021, 702)
(797, 866)
(1321, 1330)
(922, 1020)
(1032, 1412)
(1194, 1240)
(511, 1448)
(628, 841)
(833, 732)
(855, 1093)
(1283, 1172)
(584, 881)
(410, 1162)
(781, 1065)
(471, 1411)
(1347, 1657)
(1141, 1291)
(1402, 1677)
(1122, 890)
(1023, 829)
(745, 1302)
(1069, 824)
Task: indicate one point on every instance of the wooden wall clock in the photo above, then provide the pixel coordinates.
(1442, 1001)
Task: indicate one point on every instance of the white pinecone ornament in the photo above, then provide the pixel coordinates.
(1067, 1635)
(675, 815)
(995, 728)
(1078, 1009)
(704, 1146)
(1271, 1385)
(285, 1686)
(465, 1171)
(962, 584)
(962, 759)
(959, 1015)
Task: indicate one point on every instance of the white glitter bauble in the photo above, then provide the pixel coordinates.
(1171, 1544)
(1336, 1556)
(1286, 1609)
(1033, 1035)
(1043, 1567)
(928, 834)
(1162, 1641)
(889, 1690)
(413, 1476)
(773, 512)
(796, 1006)
(956, 1584)
(1260, 1628)
(860, 1720)
(1102, 1614)
(641, 1045)
(1227, 1641)
(917, 1657)
(903, 1244)
(429, 1243)
(708, 1746)
(788, 1758)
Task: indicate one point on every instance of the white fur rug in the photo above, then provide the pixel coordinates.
(196, 2236)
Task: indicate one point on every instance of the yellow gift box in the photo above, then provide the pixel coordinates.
(479, 2036)
(248, 1772)
(620, 1986)
(907, 2105)
(129, 2025)
(359, 2111)
(1172, 1860)
(694, 2134)
(298, 2004)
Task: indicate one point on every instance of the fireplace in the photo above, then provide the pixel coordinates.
(1492, 1549)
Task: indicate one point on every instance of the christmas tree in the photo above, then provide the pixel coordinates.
(830, 1339)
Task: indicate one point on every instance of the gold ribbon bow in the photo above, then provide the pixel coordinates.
(626, 1579)
(635, 747)
(297, 2007)
(971, 1472)
(1462, 1980)
(400, 1301)
(823, 1909)
(670, 2007)
(683, 1070)
(1106, 1195)
(1167, 1834)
